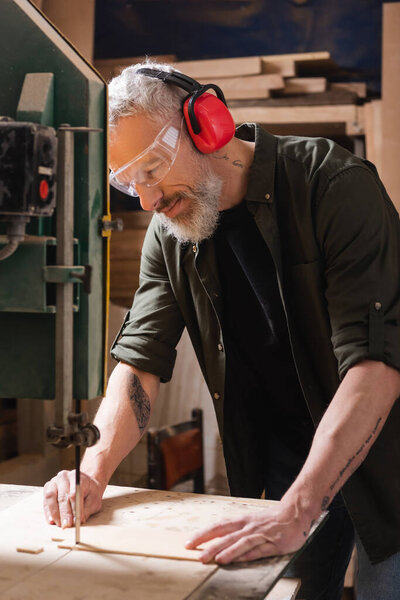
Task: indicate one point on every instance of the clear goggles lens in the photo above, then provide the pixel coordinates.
(151, 165)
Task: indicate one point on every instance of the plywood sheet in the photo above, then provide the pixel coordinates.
(134, 540)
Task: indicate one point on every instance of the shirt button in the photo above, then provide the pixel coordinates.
(194, 248)
(267, 196)
(378, 306)
(220, 347)
(217, 396)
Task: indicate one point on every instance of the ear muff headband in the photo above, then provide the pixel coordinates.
(209, 122)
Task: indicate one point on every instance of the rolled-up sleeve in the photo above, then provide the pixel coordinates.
(359, 234)
(153, 326)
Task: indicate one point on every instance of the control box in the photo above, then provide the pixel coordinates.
(28, 161)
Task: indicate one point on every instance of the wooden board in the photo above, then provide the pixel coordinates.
(285, 68)
(390, 100)
(358, 87)
(304, 85)
(125, 252)
(322, 57)
(373, 133)
(220, 67)
(159, 542)
(349, 114)
(253, 86)
(301, 63)
(111, 67)
(326, 98)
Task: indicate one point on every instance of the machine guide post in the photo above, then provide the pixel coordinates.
(70, 428)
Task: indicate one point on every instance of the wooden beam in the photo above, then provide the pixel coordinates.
(329, 98)
(304, 85)
(373, 133)
(125, 252)
(358, 87)
(321, 57)
(220, 67)
(253, 86)
(285, 68)
(390, 100)
(303, 63)
(329, 130)
(111, 67)
(347, 113)
(75, 19)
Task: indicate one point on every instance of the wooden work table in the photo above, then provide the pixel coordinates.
(69, 575)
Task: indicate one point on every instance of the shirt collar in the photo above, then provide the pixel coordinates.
(262, 171)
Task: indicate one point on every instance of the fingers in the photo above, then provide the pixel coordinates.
(219, 530)
(261, 551)
(66, 498)
(50, 504)
(60, 498)
(57, 499)
(234, 546)
(214, 550)
(91, 499)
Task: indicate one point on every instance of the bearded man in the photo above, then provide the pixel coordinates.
(281, 257)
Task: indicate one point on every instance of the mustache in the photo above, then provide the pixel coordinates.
(165, 202)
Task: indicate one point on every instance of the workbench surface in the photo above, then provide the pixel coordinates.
(69, 575)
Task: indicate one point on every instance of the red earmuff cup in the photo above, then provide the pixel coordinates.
(215, 120)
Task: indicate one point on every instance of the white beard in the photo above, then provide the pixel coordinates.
(199, 221)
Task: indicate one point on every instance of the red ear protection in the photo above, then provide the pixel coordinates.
(208, 120)
(216, 125)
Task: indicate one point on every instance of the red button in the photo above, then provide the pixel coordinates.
(43, 189)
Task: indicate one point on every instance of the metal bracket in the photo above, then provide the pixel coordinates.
(73, 274)
(109, 225)
(79, 432)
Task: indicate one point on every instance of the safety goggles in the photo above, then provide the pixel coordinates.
(153, 164)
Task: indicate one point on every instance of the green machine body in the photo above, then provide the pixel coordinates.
(45, 81)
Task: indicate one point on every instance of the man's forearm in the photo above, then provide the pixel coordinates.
(344, 436)
(122, 418)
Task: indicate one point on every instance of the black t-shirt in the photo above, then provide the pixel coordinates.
(262, 390)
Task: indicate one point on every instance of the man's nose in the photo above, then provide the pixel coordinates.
(149, 197)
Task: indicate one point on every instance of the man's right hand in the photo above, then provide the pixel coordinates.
(122, 418)
(59, 498)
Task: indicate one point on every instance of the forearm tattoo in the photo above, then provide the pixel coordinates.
(355, 460)
(140, 402)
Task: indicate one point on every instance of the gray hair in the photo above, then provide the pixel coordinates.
(131, 93)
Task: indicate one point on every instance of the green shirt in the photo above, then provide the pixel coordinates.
(334, 236)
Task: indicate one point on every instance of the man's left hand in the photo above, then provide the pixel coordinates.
(269, 532)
